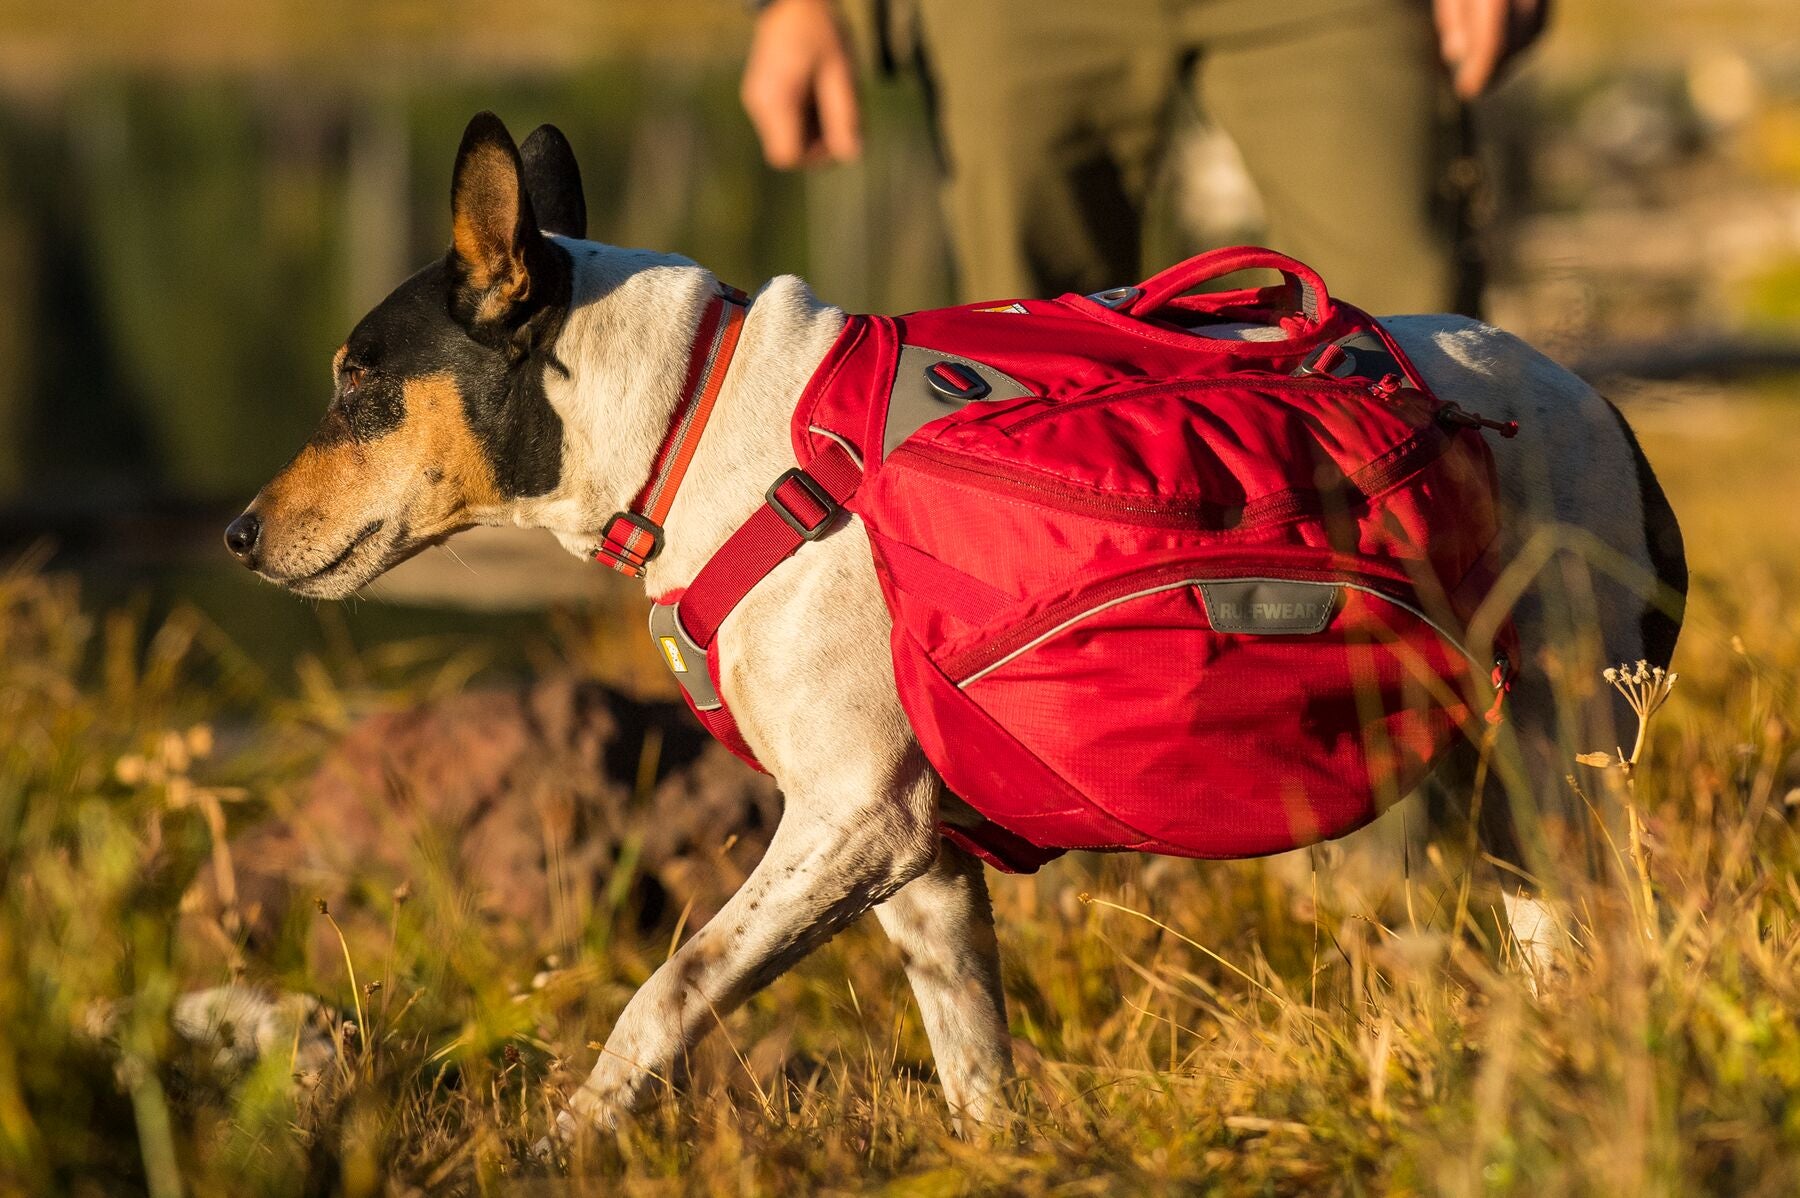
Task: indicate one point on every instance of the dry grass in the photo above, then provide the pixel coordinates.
(1198, 1028)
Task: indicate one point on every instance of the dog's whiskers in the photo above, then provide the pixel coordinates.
(459, 561)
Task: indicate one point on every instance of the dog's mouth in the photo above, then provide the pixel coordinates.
(327, 581)
(364, 558)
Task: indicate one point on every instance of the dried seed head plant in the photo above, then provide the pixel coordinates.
(1646, 688)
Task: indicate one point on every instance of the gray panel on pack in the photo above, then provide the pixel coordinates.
(685, 659)
(1269, 607)
(914, 403)
(1370, 359)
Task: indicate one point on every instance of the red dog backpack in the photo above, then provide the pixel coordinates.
(1184, 574)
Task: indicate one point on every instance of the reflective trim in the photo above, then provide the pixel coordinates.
(984, 671)
(841, 443)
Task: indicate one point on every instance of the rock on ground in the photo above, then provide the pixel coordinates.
(526, 802)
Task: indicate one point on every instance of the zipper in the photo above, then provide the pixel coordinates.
(1408, 457)
(1162, 513)
(1452, 416)
(1241, 380)
(1145, 582)
(971, 666)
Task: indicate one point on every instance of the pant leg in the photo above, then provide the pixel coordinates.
(1050, 115)
(1345, 120)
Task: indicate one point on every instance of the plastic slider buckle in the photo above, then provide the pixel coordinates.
(810, 485)
(617, 549)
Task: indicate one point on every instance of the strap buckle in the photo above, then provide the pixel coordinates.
(614, 550)
(819, 495)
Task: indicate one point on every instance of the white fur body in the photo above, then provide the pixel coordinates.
(805, 664)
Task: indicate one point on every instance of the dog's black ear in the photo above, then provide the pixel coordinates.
(494, 235)
(553, 181)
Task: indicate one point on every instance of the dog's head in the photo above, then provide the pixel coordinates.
(438, 417)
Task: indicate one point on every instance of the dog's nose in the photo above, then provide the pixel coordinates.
(242, 535)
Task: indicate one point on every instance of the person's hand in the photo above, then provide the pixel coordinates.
(1477, 37)
(800, 85)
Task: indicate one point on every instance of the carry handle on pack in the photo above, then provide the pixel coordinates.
(1157, 291)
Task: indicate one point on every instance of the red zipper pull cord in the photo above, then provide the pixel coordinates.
(1390, 385)
(1451, 414)
(1502, 679)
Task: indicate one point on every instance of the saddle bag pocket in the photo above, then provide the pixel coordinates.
(1203, 705)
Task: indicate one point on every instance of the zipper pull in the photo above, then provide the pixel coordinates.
(1451, 414)
(1502, 678)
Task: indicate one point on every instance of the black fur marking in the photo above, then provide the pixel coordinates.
(1660, 624)
(498, 371)
(494, 341)
(375, 408)
(553, 183)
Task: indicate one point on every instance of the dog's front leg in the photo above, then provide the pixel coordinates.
(943, 925)
(832, 858)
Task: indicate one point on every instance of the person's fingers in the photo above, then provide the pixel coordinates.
(840, 116)
(1452, 21)
(778, 126)
(777, 103)
(799, 85)
(1488, 27)
(1477, 37)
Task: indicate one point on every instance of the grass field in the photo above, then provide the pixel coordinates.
(1180, 1027)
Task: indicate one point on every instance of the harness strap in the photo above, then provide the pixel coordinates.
(801, 506)
(629, 540)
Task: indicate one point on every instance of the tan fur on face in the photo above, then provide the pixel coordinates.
(429, 477)
(459, 479)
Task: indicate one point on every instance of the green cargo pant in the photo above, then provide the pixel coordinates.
(1053, 116)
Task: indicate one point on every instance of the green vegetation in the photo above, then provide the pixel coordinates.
(192, 213)
(1211, 1028)
(192, 252)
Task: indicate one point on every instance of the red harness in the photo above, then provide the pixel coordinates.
(630, 539)
(1144, 553)
(801, 505)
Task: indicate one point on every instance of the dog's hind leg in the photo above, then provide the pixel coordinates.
(832, 858)
(1611, 594)
(943, 925)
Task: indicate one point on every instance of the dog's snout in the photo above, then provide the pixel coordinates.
(242, 537)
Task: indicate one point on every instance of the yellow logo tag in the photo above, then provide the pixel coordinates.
(672, 651)
(1015, 309)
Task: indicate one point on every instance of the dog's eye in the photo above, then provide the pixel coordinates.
(353, 379)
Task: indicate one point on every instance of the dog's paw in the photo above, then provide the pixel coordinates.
(1542, 944)
(586, 1115)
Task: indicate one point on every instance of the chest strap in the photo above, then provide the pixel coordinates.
(800, 506)
(630, 539)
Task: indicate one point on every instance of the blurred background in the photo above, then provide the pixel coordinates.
(198, 199)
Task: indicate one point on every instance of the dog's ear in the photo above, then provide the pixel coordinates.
(553, 183)
(494, 235)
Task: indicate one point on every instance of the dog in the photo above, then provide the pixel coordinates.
(528, 378)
